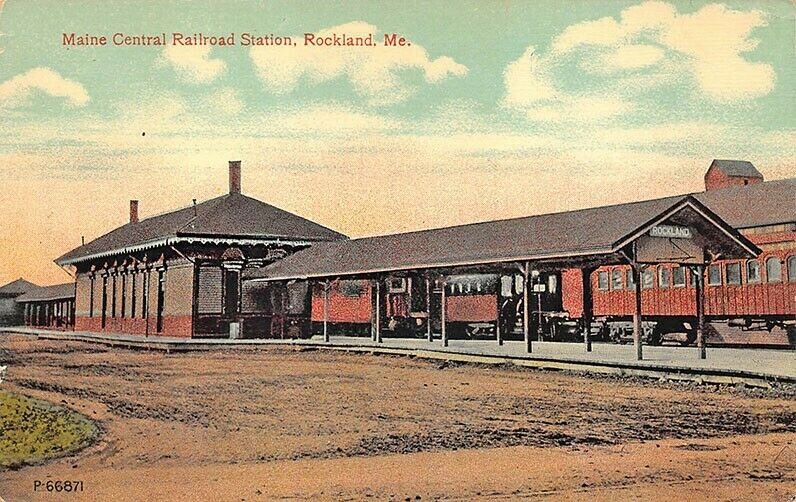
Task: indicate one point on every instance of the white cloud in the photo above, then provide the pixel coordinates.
(225, 100)
(17, 90)
(527, 80)
(708, 45)
(372, 71)
(193, 63)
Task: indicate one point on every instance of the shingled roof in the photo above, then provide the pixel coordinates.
(740, 168)
(231, 215)
(595, 231)
(45, 293)
(761, 204)
(17, 287)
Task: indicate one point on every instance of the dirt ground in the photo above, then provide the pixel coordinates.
(266, 423)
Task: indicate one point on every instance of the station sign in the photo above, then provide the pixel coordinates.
(671, 232)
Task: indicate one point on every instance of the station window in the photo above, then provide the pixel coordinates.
(714, 275)
(602, 281)
(678, 277)
(773, 269)
(629, 282)
(752, 271)
(663, 277)
(648, 278)
(792, 268)
(733, 273)
(616, 279)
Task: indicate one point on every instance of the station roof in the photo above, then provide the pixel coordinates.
(17, 287)
(761, 204)
(740, 168)
(561, 236)
(233, 215)
(45, 293)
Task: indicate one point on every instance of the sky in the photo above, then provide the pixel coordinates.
(493, 109)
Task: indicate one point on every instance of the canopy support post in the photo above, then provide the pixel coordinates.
(429, 334)
(326, 287)
(699, 291)
(588, 306)
(526, 329)
(378, 312)
(444, 314)
(636, 271)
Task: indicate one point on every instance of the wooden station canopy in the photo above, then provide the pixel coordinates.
(620, 234)
(678, 230)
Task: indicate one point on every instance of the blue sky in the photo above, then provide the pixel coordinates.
(497, 109)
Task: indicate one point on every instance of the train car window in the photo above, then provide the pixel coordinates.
(506, 282)
(752, 271)
(602, 281)
(792, 268)
(616, 279)
(773, 269)
(714, 275)
(663, 277)
(629, 282)
(733, 272)
(648, 278)
(678, 277)
(351, 289)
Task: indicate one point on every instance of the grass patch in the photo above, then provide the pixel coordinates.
(32, 431)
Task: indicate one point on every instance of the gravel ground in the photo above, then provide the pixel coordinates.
(280, 410)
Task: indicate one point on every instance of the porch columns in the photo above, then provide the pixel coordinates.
(526, 329)
(636, 271)
(326, 287)
(699, 291)
(444, 315)
(588, 306)
(429, 333)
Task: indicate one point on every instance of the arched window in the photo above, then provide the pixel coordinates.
(678, 277)
(629, 282)
(648, 278)
(616, 279)
(773, 269)
(752, 271)
(663, 277)
(792, 268)
(602, 280)
(733, 273)
(714, 275)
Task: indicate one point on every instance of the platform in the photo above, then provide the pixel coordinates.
(722, 366)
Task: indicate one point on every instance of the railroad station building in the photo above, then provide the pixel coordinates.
(237, 267)
(179, 273)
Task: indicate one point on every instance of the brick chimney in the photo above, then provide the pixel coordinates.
(133, 211)
(234, 176)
